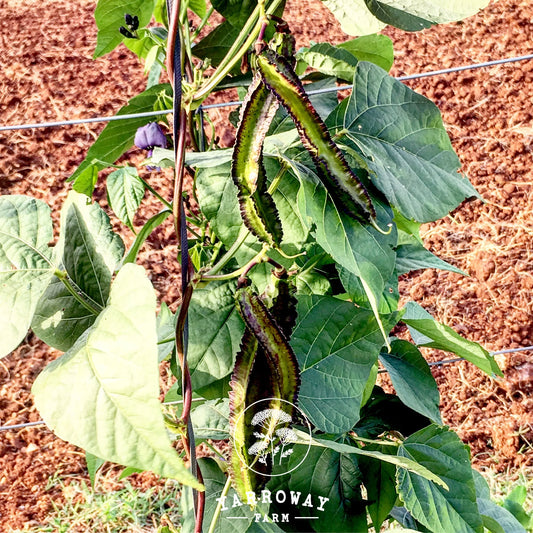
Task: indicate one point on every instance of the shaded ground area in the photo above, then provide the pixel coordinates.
(48, 74)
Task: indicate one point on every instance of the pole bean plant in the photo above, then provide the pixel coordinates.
(290, 244)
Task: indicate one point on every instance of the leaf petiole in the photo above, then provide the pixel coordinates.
(92, 306)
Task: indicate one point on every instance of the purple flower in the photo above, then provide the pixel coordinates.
(149, 136)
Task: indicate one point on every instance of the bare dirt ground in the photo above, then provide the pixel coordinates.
(47, 74)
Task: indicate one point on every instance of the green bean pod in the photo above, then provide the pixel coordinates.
(258, 209)
(341, 183)
(265, 370)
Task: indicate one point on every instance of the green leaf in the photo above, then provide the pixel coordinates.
(412, 379)
(218, 200)
(373, 15)
(363, 23)
(360, 249)
(217, 196)
(217, 43)
(150, 225)
(236, 12)
(495, 518)
(118, 136)
(375, 48)
(125, 191)
(198, 7)
(380, 482)
(211, 420)
(404, 14)
(25, 265)
(442, 511)
(333, 481)
(390, 297)
(404, 463)
(109, 15)
(312, 282)
(336, 345)
(166, 332)
(212, 351)
(437, 335)
(235, 515)
(514, 503)
(401, 136)
(396, 17)
(414, 256)
(330, 60)
(102, 395)
(89, 252)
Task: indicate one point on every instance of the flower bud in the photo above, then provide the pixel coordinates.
(127, 33)
(149, 136)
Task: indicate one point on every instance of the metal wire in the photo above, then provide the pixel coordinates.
(236, 102)
(381, 371)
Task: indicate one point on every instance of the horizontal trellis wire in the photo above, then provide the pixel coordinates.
(381, 371)
(235, 103)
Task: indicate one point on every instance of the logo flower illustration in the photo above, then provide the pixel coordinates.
(272, 438)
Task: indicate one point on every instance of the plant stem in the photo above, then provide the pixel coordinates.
(216, 514)
(156, 194)
(69, 285)
(252, 28)
(230, 253)
(203, 22)
(236, 273)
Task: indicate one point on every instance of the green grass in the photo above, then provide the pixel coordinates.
(133, 510)
(127, 509)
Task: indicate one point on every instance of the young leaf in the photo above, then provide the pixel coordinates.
(93, 465)
(103, 394)
(432, 334)
(199, 7)
(455, 509)
(337, 345)
(401, 136)
(89, 252)
(109, 15)
(117, 137)
(412, 380)
(25, 265)
(125, 191)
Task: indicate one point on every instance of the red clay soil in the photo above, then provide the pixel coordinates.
(48, 74)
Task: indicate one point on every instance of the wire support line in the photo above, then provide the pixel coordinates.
(381, 371)
(233, 103)
(22, 426)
